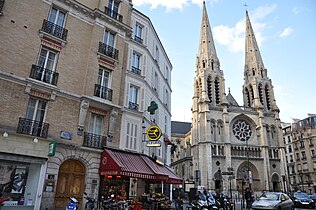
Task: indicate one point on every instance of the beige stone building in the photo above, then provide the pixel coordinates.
(232, 144)
(62, 67)
(300, 139)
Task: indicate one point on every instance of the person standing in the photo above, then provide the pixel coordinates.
(248, 198)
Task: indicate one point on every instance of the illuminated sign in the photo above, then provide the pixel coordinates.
(154, 133)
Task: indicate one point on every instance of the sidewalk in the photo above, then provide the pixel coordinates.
(237, 204)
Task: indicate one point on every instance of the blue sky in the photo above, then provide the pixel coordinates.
(285, 31)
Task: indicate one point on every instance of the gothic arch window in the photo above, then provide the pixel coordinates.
(217, 91)
(261, 70)
(212, 64)
(253, 72)
(219, 130)
(252, 93)
(247, 97)
(213, 129)
(209, 88)
(203, 63)
(242, 130)
(267, 93)
(260, 90)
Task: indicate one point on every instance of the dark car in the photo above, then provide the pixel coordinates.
(302, 199)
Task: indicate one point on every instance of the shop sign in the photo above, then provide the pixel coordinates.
(154, 133)
(153, 144)
(52, 148)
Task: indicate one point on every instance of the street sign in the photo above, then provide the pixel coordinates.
(227, 173)
(154, 133)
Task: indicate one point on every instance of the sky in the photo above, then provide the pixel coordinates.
(286, 34)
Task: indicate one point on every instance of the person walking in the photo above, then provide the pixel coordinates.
(248, 198)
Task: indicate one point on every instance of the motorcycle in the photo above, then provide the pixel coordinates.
(91, 203)
(108, 203)
(72, 205)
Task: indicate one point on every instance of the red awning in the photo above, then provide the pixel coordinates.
(115, 162)
(123, 163)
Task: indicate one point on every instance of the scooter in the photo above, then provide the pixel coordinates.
(90, 204)
(72, 205)
(108, 203)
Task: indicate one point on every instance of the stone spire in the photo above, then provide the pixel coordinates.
(207, 56)
(253, 60)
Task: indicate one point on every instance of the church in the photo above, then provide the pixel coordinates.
(234, 146)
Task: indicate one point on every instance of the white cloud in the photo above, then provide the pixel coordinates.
(170, 4)
(234, 38)
(286, 32)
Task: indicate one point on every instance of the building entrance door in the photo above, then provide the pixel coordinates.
(70, 183)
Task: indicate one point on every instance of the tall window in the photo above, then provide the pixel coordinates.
(136, 63)
(109, 38)
(157, 54)
(36, 110)
(156, 82)
(57, 17)
(131, 136)
(47, 62)
(96, 124)
(113, 8)
(104, 78)
(133, 97)
(138, 33)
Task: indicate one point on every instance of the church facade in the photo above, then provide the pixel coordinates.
(233, 146)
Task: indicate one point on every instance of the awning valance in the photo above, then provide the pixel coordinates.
(122, 163)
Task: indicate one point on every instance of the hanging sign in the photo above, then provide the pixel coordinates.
(52, 148)
(153, 133)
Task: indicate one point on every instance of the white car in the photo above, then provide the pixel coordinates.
(273, 201)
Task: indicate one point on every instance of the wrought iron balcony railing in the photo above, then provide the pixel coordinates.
(108, 50)
(113, 14)
(136, 70)
(103, 92)
(138, 39)
(132, 105)
(32, 127)
(44, 75)
(54, 30)
(94, 140)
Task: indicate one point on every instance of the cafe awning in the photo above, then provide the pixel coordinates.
(123, 163)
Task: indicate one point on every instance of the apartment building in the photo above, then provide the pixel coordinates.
(62, 74)
(300, 139)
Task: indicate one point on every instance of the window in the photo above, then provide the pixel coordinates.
(36, 110)
(96, 124)
(131, 135)
(157, 54)
(108, 38)
(57, 17)
(291, 158)
(167, 73)
(136, 63)
(299, 167)
(55, 24)
(166, 124)
(314, 166)
(297, 156)
(302, 144)
(133, 97)
(312, 153)
(113, 8)
(305, 167)
(138, 33)
(303, 155)
(102, 88)
(289, 139)
(46, 66)
(290, 148)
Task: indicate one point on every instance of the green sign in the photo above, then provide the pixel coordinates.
(52, 148)
(152, 108)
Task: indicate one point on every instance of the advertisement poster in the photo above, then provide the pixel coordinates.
(12, 178)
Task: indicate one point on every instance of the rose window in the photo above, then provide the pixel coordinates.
(242, 130)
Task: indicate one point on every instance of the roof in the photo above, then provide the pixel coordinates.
(231, 100)
(180, 127)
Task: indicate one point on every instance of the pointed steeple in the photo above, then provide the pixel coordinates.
(207, 53)
(253, 60)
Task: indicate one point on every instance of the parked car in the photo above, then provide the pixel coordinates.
(313, 197)
(302, 199)
(273, 200)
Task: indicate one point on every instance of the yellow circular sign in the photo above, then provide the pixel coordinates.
(154, 133)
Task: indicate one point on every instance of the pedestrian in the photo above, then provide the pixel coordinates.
(248, 198)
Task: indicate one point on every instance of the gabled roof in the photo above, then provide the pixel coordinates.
(180, 127)
(231, 100)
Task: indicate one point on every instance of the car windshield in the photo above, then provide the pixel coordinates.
(269, 196)
(301, 195)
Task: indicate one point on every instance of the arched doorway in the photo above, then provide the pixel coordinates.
(275, 182)
(218, 179)
(71, 179)
(246, 172)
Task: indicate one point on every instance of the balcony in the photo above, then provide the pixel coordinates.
(103, 92)
(136, 70)
(132, 105)
(113, 14)
(44, 75)
(94, 141)
(138, 39)
(55, 30)
(108, 50)
(32, 127)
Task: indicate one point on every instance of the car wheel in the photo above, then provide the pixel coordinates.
(311, 206)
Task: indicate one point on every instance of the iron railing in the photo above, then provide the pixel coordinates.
(113, 14)
(108, 50)
(45, 75)
(138, 39)
(32, 127)
(94, 141)
(132, 105)
(54, 30)
(136, 70)
(103, 92)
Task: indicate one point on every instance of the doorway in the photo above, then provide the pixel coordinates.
(70, 183)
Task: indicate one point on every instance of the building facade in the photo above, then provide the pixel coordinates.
(299, 139)
(234, 146)
(62, 70)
